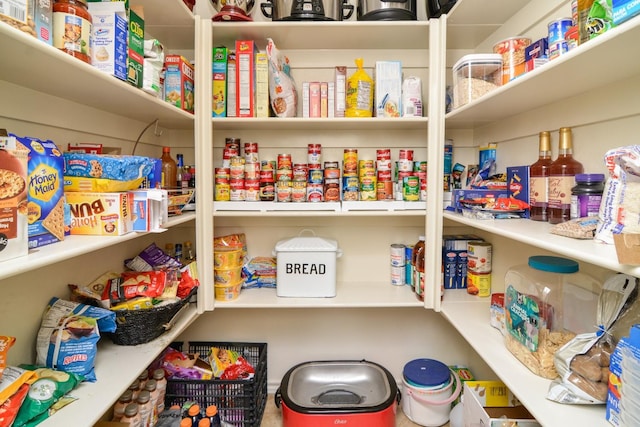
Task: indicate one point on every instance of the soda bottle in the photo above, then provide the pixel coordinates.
(169, 169)
(213, 416)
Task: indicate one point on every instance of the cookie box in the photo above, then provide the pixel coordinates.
(13, 198)
(101, 214)
(306, 267)
(45, 192)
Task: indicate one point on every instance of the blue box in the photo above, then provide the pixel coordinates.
(518, 185)
(475, 194)
(623, 10)
(109, 38)
(631, 345)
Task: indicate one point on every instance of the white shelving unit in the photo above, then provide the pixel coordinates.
(542, 99)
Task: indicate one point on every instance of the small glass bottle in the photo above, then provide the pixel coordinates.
(179, 170)
(132, 415)
(194, 413)
(142, 379)
(562, 172)
(161, 386)
(586, 196)
(152, 388)
(135, 389)
(169, 249)
(169, 169)
(121, 404)
(539, 180)
(145, 407)
(213, 416)
(187, 253)
(178, 252)
(417, 259)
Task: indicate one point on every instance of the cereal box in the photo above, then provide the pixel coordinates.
(109, 38)
(178, 82)
(219, 70)
(231, 84)
(245, 78)
(135, 56)
(45, 192)
(518, 185)
(101, 214)
(13, 197)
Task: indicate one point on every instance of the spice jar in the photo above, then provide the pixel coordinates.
(72, 24)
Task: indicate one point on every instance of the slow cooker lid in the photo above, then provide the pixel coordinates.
(426, 373)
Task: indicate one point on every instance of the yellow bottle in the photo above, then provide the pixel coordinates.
(359, 93)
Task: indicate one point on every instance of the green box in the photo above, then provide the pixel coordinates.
(219, 84)
(135, 52)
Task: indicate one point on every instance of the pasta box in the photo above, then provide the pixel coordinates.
(306, 266)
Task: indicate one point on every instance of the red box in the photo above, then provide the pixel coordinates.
(246, 78)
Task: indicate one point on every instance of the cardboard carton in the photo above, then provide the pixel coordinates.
(478, 414)
(262, 85)
(13, 197)
(246, 78)
(135, 56)
(178, 82)
(150, 210)
(101, 214)
(109, 52)
(219, 88)
(627, 248)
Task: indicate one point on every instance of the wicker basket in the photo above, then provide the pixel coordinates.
(141, 326)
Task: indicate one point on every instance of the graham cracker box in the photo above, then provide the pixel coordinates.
(219, 88)
(246, 78)
(45, 192)
(101, 214)
(13, 197)
(109, 37)
(135, 53)
(178, 82)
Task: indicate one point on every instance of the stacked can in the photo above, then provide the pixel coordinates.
(479, 268)
(384, 186)
(398, 264)
(251, 172)
(231, 149)
(221, 184)
(367, 180)
(408, 180)
(236, 181)
(331, 182)
(556, 37)
(350, 183)
(420, 169)
(284, 177)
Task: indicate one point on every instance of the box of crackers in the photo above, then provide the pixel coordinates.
(101, 214)
(13, 197)
(45, 192)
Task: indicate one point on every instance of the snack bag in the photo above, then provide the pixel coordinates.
(5, 344)
(282, 88)
(69, 334)
(583, 362)
(359, 93)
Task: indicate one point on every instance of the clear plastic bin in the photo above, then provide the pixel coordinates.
(547, 302)
(474, 76)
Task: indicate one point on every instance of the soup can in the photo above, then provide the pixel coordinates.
(283, 191)
(512, 51)
(314, 153)
(299, 191)
(479, 283)
(397, 275)
(479, 257)
(397, 251)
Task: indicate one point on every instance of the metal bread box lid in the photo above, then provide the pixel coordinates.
(306, 244)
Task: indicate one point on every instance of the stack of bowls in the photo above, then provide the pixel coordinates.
(227, 273)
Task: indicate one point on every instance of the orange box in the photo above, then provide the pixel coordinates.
(101, 214)
(314, 99)
(178, 82)
(246, 78)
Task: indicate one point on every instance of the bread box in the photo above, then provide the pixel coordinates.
(306, 266)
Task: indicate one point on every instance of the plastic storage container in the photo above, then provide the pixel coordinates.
(547, 302)
(475, 75)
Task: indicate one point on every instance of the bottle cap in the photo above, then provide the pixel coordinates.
(127, 396)
(131, 409)
(144, 397)
(553, 264)
(151, 385)
(211, 410)
(590, 177)
(158, 374)
(194, 409)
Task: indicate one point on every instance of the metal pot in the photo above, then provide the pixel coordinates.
(302, 10)
(387, 10)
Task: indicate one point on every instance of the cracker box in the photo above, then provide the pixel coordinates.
(518, 185)
(623, 10)
(627, 348)
(245, 78)
(101, 214)
(109, 38)
(219, 88)
(135, 56)
(262, 85)
(388, 89)
(536, 54)
(33, 17)
(178, 82)
(45, 192)
(459, 195)
(13, 197)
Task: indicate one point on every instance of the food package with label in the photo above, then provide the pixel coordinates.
(105, 172)
(13, 197)
(101, 214)
(583, 362)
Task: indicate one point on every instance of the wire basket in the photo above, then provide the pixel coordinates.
(240, 402)
(135, 327)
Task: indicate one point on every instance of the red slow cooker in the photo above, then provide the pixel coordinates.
(330, 393)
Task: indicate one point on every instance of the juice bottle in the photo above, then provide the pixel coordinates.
(539, 180)
(169, 169)
(213, 416)
(151, 387)
(417, 260)
(562, 173)
(145, 407)
(121, 404)
(161, 386)
(131, 415)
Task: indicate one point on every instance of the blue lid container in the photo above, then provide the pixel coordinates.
(426, 373)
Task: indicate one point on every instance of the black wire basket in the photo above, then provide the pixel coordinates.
(135, 327)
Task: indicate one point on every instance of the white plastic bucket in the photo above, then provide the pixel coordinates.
(429, 406)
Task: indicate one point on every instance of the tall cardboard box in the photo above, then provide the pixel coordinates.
(13, 197)
(246, 78)
(262, 85)
(388, 88)
(109, 53)
(135, 59)
(219, 83)
(178, 82)
(231, 84)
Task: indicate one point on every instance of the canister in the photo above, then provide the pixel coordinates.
(512, 51)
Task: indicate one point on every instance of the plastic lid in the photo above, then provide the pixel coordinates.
(151, 385)
(590, 177)
(299, 244)
(158, 374)
(426, 373)
(194, 409)
(553, 264)
(479, 58)
(144, 396)
(211, 410)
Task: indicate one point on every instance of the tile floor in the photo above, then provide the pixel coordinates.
(272, 416)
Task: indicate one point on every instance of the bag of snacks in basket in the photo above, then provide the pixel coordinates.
(583, 362)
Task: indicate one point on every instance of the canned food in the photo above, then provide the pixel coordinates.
(268, 165)
(236, 190)
(232, 143)
(315, 192)
(512, 51)
(331, 173)
(251, 170)
(408, 274)
(557, 30)
(298, 191)
(222, 192)
(314, 153)
(251, 190)
(405, 154)
(284, 174)
(350, 160)
(223, 173)
(284, 161)
(316, 176)
(332, 190)
(405, 165)
(300, 171)
(479, 284)
(251, 151)
(283, 191)
(397, 254)
(479, 257)
(384, 190)
(420, 166)
(411, 188)
(398, 275)
(383, 154)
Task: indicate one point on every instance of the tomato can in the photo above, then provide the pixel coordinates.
(251, 190)
(299, 191)
(479, 257)
(283, 191)
(284, 174)
(300, 171)
(512, 51)
(315, 192)
(284, 161)
(236, 190)
(251, 170)
(479, 283)
(332, 190)
(405, 154)
(251, 152)
(314, 153)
